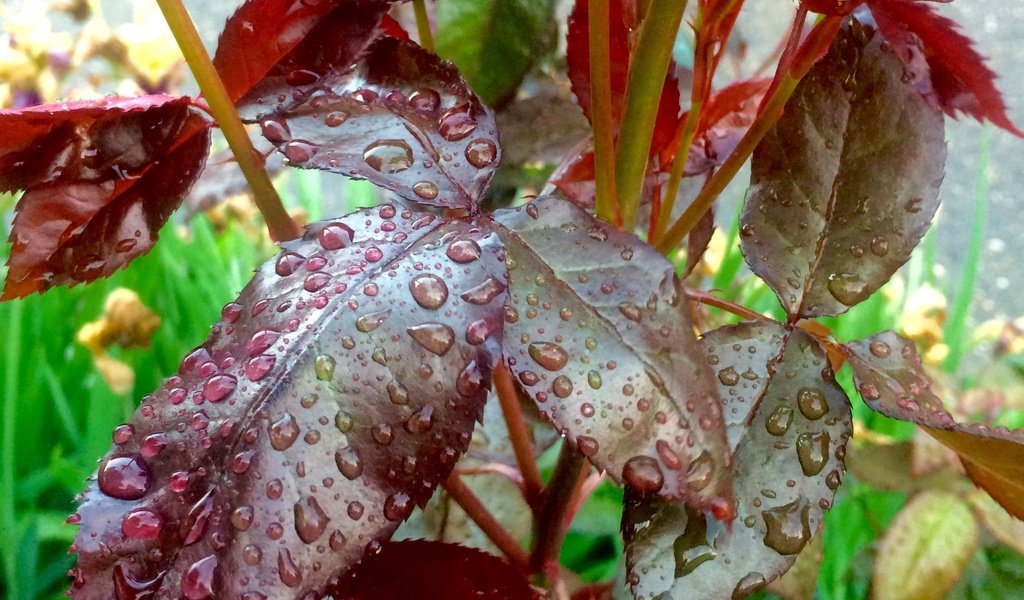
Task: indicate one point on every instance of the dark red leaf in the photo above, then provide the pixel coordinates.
(832, 7)
(100, 178)
(598, 333)
(844, 185)
(890, 378)
(574, 177)
(389, 26)
(698, 239)
(329, 400)
(428, 570)
(401, 118)
(961, 80)
(789, 422)
(294, 39)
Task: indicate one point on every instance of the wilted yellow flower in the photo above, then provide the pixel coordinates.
(923, 317)
(150, 45)
(125, 322)
(712, 259)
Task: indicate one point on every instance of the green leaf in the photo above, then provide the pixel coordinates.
(494, 43)
(926, 549)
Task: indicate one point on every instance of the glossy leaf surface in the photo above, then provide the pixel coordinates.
(845, 184)
(494, 43)
(788, 462)
(925, 549)
(598, 333)
(330, 399)
(401, 118)
(100, 179)
(891, 380)
(434, 571)
(268, 41)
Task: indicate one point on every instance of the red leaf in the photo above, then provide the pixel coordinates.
(428, 570)
(574, 177)
(390, 27)
(100, 179)
(293, 38)
(832, 7)
(331, 397)
(961, 80)
(402, 118)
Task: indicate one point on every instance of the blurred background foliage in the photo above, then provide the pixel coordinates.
(75, 362)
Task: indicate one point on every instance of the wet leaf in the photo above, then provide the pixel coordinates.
(961, 80)
(436, 571)
(100, 178)
(925, 549)
(330, 399)
(801, 580)
(494, 43)
(845, 184)
(598, 333)
(400, 118)
(266, 42)
(889, 376)
(788, 462)
(1006, 528)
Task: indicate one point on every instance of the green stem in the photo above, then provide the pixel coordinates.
(678, 165)
(423, 24)
(601, 113)
(494, 531)
(281, 226)
(648, 68)
(549, 530)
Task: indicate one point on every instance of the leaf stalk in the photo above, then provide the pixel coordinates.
(601, 113)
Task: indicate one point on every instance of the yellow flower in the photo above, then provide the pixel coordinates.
(150, 45)
(125, 322)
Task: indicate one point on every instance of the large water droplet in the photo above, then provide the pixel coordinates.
(481, 153)
(425, 189)
(812, 450)
(199, 580)
(880, 349)
(562, 386)
(463, 251)
(371, 321)
(630, 311)
(348, 463)
(323, 367)
(847, 288)
(287, 570)
(425, 100)
(125, 477)
(398, 506)
(470, 380)
(435, 337)
(388, 156)
(812, 403)
(219, 387)
(258, 366)
(729, 376)
(778, 422)
(283, 432)
(485, 292)
(428, 290)
(127, 587)
(750, 583)
(700, 472)
(456, 122)
(261, 340)
(421, 421)
(336, 236)
(141, 524)
(549, 355)
(788, 528)
(310, 519)
(643, 474)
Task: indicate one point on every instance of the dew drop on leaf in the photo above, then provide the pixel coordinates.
(310, 519)
(788, 528)
(125, 477)
(812, 451)
(812, 403)
(428, 290)
(199, 579)
(435, 337)
(283, 432)
(481, 153)
(643, 474)
(141, 524)
(778, 422)
(549, 355)
(456, 123)
(388, 156)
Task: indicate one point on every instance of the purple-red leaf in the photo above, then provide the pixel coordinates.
(402, 118)
(428, 570)
(330, 399)
(845, 184)
(100, 178)
(890, 378)
(269, 41)
(961, 80)
(788, 423)
(598, 333)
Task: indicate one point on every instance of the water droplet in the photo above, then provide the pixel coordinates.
(630, 311)
(643, 474)
(199, 579)
(879, 246)
(299, 152)
(421, 421)
(242, 517)
(153, 444)
(275, 131)
(847, 288)
(812, 403)
(287, 570)
(463, 251)
(310, 519)
(336, 236)
(485, 292)
(548, 355)
(700, 472)
(668, 455)
(481, 153)
(456, 122)
(261, 341)
(398, 506)
(336, 118)
(127, 587)
(348, 463)
(880, 349)
(122, 434)
(219, 387)
(283, 432)
(729, 376)
(141, 524)
(587, 445)
(323, 366)
(388, 156)
(231, 312)
(812, 450)
(343, 421)
(470, 380)
(371, 321)
(788, 528)
(258, 366)
(429, 290)
(355, 510)
(594, 379)
(425, 100)
(435, 337)
(382, 434)
(373, 254)
(869, 391)
(778, 422)
(750, 583)
(562, 386)
(125, 477)
(240, 462)
(425, 189)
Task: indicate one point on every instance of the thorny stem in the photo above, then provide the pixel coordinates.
(771, 110)
(494, 531)
(648, 68)
(423, 24)
(281, 226)
(601, 113)
(518, 435)
(549, 529)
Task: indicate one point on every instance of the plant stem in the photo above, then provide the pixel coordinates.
(739, 310)
(423, 24)
(494, 531)
(678, 165)
(281, 226)
(601, 113)
(647, 71)
(518, 435)
(549, 523)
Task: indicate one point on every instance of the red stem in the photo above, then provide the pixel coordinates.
(700, 297)
(494, 531)
(518, 435)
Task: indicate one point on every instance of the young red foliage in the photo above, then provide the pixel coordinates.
(961, 80)
(100, 179)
